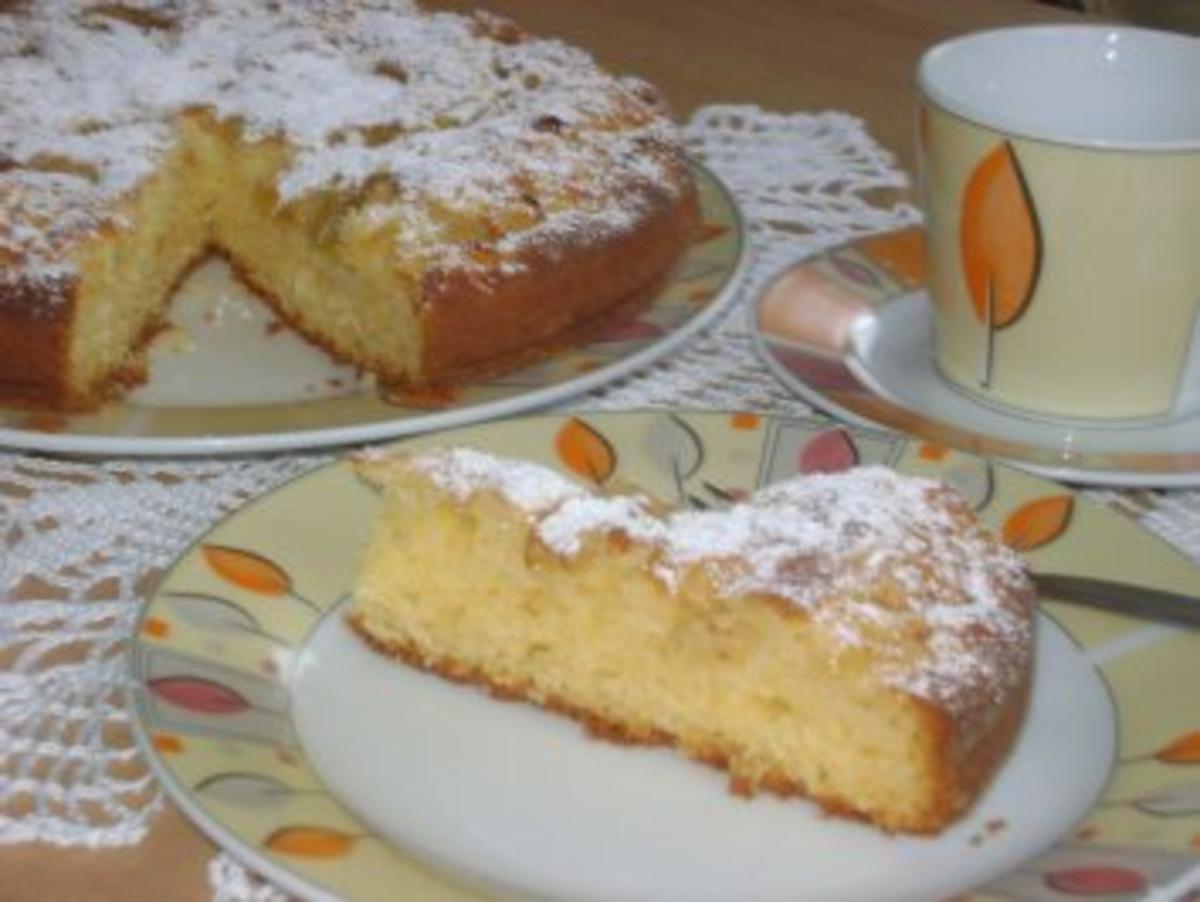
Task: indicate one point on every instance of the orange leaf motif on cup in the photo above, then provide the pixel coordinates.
(1000, 239)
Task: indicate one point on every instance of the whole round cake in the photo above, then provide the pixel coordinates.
(431, 197)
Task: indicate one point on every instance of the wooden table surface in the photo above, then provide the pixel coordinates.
(785, 55)
(856, 56)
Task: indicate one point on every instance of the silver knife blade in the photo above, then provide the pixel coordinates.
(1120, 598)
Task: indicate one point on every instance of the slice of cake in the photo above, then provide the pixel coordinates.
(856, 638)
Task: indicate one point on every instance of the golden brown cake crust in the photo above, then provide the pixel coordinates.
(560, 293)
(611, 731)
(475, 328)
(35, 333)
(978, 766)
(33, 341)
(959, 776)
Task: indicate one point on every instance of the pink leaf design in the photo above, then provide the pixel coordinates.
(1096, 880)
(831, 451)
(854, 271)
(198, 694)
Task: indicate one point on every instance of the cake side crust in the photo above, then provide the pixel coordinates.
(611, 730)
(558, 293)
(33, 343)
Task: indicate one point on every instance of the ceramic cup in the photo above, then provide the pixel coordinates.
(1060, 176)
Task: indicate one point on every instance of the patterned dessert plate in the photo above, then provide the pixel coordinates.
(226, 378)
(850, 331)
(339, 773)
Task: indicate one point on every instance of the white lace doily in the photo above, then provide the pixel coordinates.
(83, 540)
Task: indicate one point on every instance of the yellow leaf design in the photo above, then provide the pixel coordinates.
(585, 451)
(1183, 749)
(1037, 522)
(311, 842)
(247, 570)
(1001, 246)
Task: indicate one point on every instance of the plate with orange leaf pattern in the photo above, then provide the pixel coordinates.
(850, 331)
(338, 773)
(227, 377)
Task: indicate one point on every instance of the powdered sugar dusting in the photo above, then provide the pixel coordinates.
(461, 116)
(876, 557)
(464, 471)
(881, 521)
(889, 563)
(564, 528)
